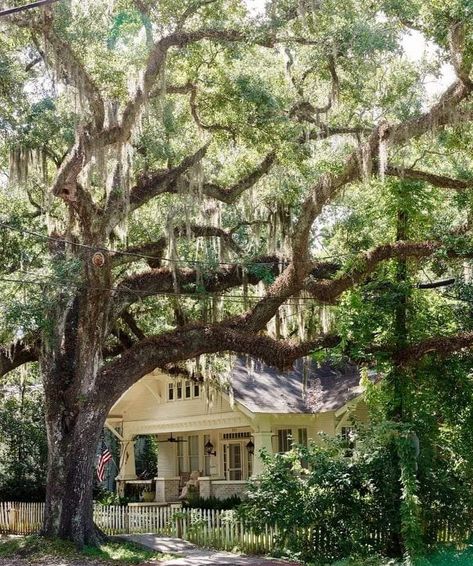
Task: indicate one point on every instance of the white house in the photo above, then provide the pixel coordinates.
(221, 438)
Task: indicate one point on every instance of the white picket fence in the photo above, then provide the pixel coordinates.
(206, 527)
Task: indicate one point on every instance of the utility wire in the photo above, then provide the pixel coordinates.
(197, 296)
(156, 257)
(17, 9)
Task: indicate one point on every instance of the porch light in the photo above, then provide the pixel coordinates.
(250, 447)
(209, 449)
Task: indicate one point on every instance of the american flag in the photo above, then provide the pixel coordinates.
(105, 457)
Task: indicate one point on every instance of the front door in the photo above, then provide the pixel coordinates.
(232, 461)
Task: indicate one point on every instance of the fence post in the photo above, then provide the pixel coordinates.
(12, 519)
(127, 520)
(178, 518)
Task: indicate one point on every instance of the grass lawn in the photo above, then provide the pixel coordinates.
(39, 550)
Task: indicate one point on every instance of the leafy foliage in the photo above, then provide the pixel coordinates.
(23, 445)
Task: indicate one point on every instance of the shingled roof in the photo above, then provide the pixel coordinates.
(308, 388)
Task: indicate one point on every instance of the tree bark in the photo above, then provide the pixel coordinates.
(71, 455)
(70, 361)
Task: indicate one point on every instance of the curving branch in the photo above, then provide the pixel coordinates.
(189, 281)
(435, 180)
(439, 345)
(74, 69)
(17, 354)
(89, 140)
(152, 252)
(230, 194)
(194, 340)
(323, 132)
(198, 120)
(190, 11)
(460, 61)
(209, 232)
(328, 290)
(443, 113)
(150, 185)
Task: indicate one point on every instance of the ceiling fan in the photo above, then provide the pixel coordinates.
(173, 439)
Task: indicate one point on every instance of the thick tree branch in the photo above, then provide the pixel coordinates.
(191, 341)
(328, 290)
(152, 252)
(192, 281)
(209, 232)
(440, 345)
(89, 140)
(190, 11)
(130, 321)
(230, 194)
(460, 61)
(431, 178)
(324, 131)
(150, 185)
(74, 69)
(17, 354)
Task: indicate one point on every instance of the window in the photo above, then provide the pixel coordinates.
(183, 390)
(181, 461)
(206, 456)
(302, 439)
(193, 445)
(302, 436)
(188, 390)
(347, 433)
(284, 439)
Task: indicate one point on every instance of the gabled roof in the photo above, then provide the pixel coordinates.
(308, 388)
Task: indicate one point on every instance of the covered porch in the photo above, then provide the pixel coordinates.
(222, 447)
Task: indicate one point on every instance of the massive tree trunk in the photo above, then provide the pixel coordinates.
(71, 455)
(75, 409)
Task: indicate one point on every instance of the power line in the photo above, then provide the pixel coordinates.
(17, 9)
(155, 257)
(181, 294)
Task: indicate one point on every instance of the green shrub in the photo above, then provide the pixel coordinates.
(197, 502)
(356, 503)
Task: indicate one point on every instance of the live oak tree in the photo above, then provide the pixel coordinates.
(170, 170)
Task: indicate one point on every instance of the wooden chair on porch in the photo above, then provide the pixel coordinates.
(191, 486)
(184, 478)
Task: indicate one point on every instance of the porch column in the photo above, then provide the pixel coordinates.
(127, 460)
(261, 440)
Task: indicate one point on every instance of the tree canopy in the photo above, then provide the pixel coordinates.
(190, 178)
